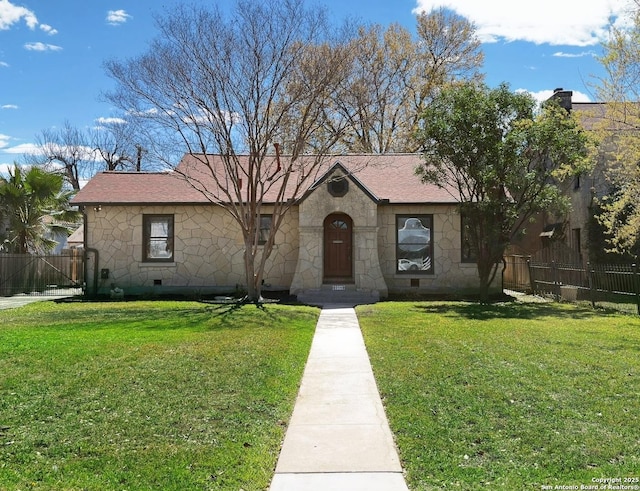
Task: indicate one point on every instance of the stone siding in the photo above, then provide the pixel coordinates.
(363, 212)
(208, 248)
(450, 274)
(208, 251)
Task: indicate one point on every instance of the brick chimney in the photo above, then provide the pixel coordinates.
(563, 97)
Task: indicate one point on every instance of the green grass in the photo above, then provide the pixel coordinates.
(147, 395)
(511, 396)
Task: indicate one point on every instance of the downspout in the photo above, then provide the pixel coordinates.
(87, 250)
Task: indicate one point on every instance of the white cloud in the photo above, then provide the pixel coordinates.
(142, 114)
(4, 64)
(41, 47)
(48, 29)
(5, 168)
(562, 54)
(4, 140)
(117, 17)
(9, 106)
(111, 121)
(570, 23)
(23, 148)
(11, 14)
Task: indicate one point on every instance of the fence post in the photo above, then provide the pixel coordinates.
(590, 273)
(531, 279)
(556, 283)
(635, 286)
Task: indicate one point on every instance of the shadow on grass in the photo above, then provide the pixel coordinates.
(511, 310)
(229, 308)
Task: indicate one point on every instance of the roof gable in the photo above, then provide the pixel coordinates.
(337, 166)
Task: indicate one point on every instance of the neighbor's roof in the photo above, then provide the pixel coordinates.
(385, 177)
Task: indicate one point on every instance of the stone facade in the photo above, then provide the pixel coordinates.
(363, 212)
(208, 251)
(450, 275)
(374, 245)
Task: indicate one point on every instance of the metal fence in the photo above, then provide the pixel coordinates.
(606, 285)
(41, 275)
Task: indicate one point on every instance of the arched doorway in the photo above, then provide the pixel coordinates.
(338, 252)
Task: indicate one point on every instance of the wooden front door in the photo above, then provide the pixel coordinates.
(338, 265)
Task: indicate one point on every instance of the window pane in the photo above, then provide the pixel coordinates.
(339, 224)
(159, 248)
(469, 252)
(159, 228)
(158, 237)
(265, 227)
(414, 246)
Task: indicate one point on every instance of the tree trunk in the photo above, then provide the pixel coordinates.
(254, 278)
(487, 270)
(484, 274)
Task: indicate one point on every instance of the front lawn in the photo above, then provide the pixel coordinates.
(510, 396)
(147, 395)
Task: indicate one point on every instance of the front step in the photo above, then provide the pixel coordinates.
(338, 294)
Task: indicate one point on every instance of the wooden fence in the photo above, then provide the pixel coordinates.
(41, 275)
(516, 273)
(608, 285)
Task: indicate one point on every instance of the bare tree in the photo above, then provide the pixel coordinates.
(113, 144)
(373, 100)
(448, 51)
(394, 76)
(67, 150)
(228, 85)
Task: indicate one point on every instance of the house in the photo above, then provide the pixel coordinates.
(76, 239)
(575, 231)
(365, 223)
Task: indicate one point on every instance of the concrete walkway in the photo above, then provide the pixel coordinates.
(338, 438)
(25, 299)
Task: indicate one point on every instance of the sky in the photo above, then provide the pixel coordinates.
(52, 52)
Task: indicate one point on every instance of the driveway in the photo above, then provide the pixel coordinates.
(25, 298)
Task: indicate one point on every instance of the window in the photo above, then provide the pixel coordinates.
(157, 238)
(338, 186)
(265, 227)
(414, 244)
(469, 252)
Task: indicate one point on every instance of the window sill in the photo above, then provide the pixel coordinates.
(163, 264)
(416, 274)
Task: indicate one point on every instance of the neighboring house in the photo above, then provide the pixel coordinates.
(574, 229)
(76, 239)
(367, 223)
(586, 189)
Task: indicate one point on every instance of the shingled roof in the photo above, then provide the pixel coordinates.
(385, 177)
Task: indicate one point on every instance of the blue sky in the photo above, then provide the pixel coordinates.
(52, 52)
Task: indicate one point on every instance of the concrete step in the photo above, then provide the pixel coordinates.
(338, 294)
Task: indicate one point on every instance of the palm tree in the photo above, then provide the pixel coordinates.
(35, 207)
